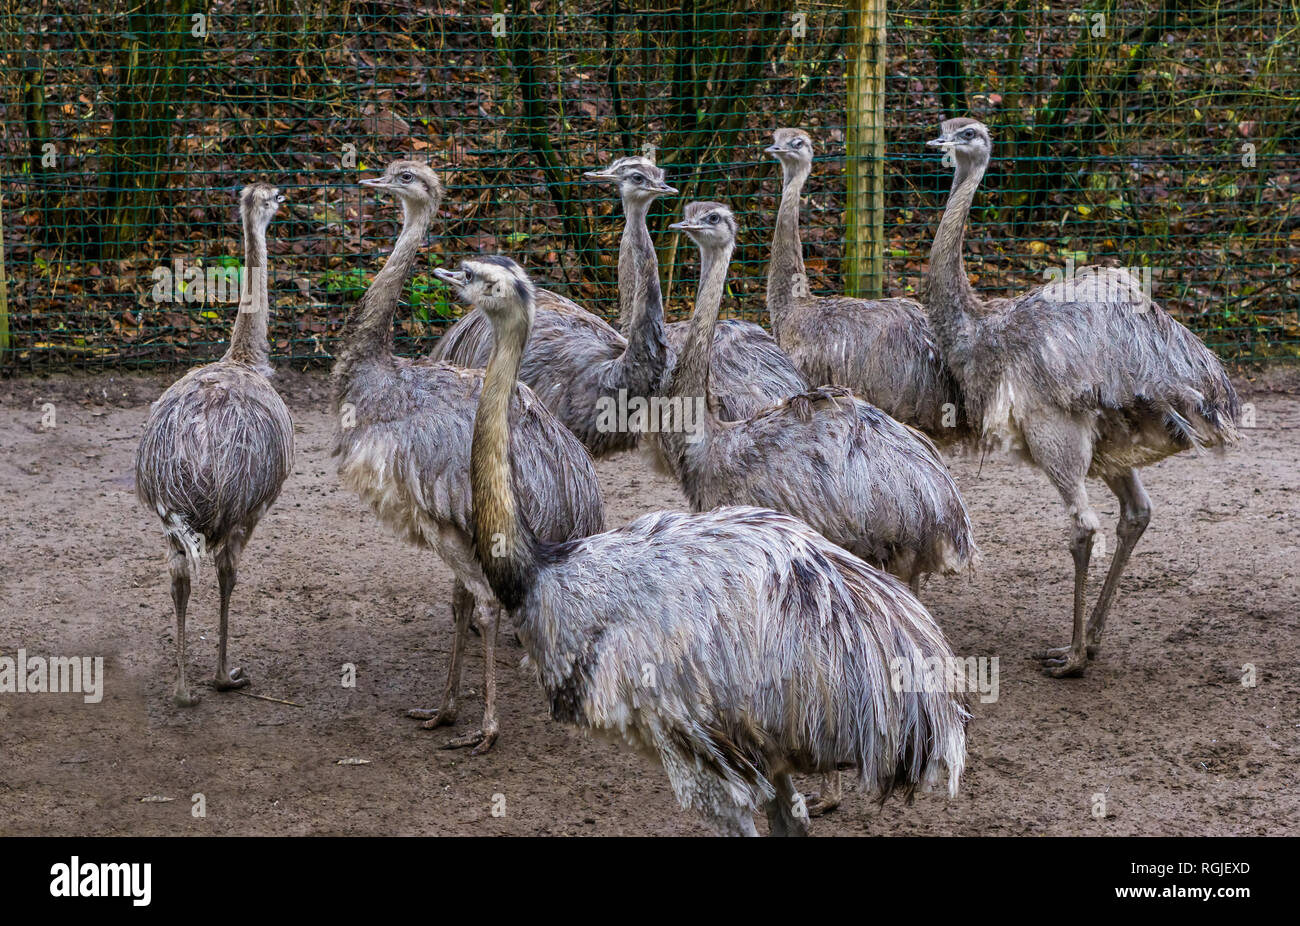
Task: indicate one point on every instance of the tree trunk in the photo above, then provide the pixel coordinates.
(864, 233)
(135, 171)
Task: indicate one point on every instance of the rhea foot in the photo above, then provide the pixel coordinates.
(819, 806)
(182, 697)
(1065, 662)
(433, 717)
(481, 741)
(235, 678)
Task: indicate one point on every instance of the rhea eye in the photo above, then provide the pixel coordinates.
(797, 143)
(638, 178)
(713, 218)
(969, 133)
(469, 275)
(405, 177)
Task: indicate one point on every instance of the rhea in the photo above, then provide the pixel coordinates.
(217, 447)
(737, 647)
(403, 441)
(882, 349)
(871, 485)
(1086, 377)
(576, 363)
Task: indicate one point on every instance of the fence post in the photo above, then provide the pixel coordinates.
(864, 214)
(4, 291)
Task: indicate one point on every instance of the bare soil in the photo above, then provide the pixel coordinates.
(1161, 725)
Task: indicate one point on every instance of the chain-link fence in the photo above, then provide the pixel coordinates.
(1158, 134)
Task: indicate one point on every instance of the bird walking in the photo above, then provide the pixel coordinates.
(1084, 377)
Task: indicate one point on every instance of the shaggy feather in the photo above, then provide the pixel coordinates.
(735, 646)
(882, 349)
(865, 481)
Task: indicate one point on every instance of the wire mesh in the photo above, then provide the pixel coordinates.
(1143, 134)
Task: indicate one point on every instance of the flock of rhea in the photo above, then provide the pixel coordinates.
(757, 636)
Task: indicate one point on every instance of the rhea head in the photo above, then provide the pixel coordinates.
(259, 202)
(792, 147)
(710, 225)
(638, 179)
(413, 182)
(967, 139)
(495, 284)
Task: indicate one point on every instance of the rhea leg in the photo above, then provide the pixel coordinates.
(786, 813)
(1062, 448)
(487, 616)
(462, 609)
(227, 563)
(1134, 516)
(180, 573)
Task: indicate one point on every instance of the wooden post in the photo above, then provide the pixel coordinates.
(864, 213)
(4, 291)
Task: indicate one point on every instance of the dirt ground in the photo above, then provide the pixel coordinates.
(1161, 726)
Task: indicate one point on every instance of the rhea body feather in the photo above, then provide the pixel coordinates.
(867, 482)
(735, 646)
(404, 431)
(1120, 367)
(218, 444)
(882, 349)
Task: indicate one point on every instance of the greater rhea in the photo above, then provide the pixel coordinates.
(882, 349)
(737, 646)
(1085, 377)
(868, 483)
(217, 447)
(575, 362)
(403, 442)
(874, 486)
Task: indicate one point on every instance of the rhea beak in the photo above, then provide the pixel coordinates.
(451, 277)
(943, 141)
(599, 175)
(376, 182)
(686, 226)
(773, 149)
(665, 189)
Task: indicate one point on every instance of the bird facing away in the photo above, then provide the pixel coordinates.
(737, 647)
(217, 447)
(881, 349)
(403, 441)
(576, 363)
(1086, 377)
(844, 467)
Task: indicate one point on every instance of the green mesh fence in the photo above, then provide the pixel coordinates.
(1156, 134)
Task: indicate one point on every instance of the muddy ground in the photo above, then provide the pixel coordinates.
(1161, 726)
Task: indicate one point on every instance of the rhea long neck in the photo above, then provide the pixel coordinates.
(248, 344)
(952, 302)
(691, 375)
(785, 269)
(368, 334)
(641, 304)
(506, 546)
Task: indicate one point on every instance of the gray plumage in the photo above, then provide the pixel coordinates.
(403, 443)
(868, 483)
(217, 447)
(1086, 377)
(575, 361)
(881, 349)
(737, 646)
